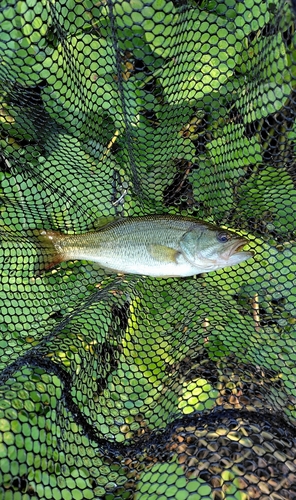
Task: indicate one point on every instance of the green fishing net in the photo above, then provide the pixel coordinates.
(119, 387)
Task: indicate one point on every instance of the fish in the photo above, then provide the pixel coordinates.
(153, 245)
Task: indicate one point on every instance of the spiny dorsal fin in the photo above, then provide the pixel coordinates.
(104, 221)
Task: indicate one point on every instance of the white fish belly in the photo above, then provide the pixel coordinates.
(136, 261)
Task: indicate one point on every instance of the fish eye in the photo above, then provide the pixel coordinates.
(223, 237)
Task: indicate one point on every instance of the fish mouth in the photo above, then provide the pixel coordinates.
(234, 247)
(240, 245)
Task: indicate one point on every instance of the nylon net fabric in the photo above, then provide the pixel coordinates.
(132, 387)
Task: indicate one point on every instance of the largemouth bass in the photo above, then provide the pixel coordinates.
(158, 245)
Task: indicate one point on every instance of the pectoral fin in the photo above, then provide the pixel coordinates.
(162, 253)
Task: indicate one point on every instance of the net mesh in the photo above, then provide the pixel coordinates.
(132, 387)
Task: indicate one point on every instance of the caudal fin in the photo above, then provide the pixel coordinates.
(50, 250)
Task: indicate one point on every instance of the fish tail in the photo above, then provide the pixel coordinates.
(50, 252)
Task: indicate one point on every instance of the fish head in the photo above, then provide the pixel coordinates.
(210, 248)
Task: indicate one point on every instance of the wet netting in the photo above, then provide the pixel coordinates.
(125, 386)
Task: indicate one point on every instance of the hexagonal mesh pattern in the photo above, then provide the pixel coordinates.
(123, 386)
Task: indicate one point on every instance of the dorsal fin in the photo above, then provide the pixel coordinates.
(104, 221)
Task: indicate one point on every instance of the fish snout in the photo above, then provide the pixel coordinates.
(234, 246)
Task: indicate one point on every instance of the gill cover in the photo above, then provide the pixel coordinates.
(189, 245)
